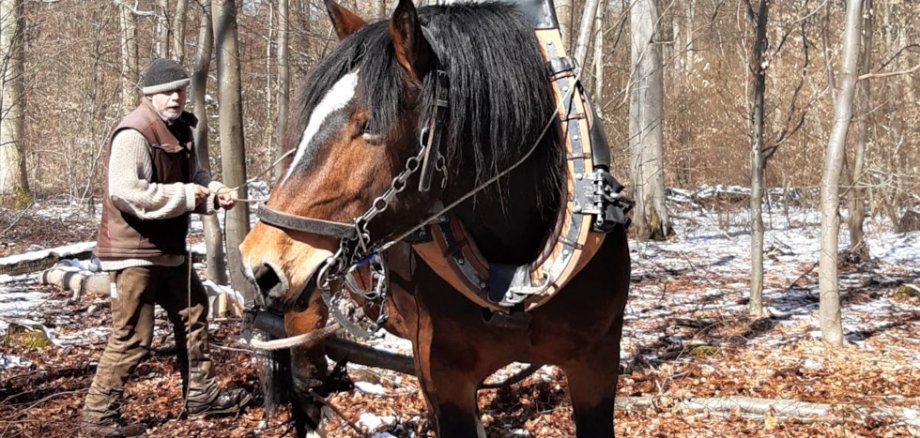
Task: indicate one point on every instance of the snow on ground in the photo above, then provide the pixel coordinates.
(711, 252)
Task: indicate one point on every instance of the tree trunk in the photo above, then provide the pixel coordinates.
(233, 159)
(564, 15)
(14, 185)
(129, 71)
(758, 70)
(829, 308)
(856, 199)
(584, 32)
(161, 34)
(597, 96)
(689, 44)
(647, 172)
(213, 237)
(284, 83)
(178, 31)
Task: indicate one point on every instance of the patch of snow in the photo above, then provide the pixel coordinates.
(811, 364)
(59, 252)
(8, 361)
(370, 388)
(372, 422)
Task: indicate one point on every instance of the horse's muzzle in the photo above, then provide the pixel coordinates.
(276, 293)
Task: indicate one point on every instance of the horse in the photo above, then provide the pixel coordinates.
(355, 134)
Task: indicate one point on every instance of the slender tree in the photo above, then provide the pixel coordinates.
(284, 82)
(645, 135)
(584, 31)
(856, 199)
(127, 22)
(233, 159)
(213, 237)
(161, 34)
(597, 96)
(829, 307)
(13, 181)
(178, 31)
(758, 68)
(564, 13)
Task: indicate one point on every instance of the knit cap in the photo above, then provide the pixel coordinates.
(164, 75)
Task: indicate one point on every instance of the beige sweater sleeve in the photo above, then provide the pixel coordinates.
(130, 188)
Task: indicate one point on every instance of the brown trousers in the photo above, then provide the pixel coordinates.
(138, 289)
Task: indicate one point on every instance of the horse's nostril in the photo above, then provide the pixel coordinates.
(266, 278)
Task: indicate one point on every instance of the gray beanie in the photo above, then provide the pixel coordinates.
(164, 75)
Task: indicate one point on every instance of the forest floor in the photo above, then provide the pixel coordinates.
(687, 337)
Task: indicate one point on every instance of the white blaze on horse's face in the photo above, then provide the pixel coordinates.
(339, 96)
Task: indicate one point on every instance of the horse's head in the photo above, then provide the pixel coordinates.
(357, 127)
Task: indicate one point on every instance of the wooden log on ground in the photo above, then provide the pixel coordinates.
(92, 284)
(43, 259)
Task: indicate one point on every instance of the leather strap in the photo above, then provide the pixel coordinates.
(276, 218)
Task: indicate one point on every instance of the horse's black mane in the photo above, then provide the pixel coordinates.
(499, 94)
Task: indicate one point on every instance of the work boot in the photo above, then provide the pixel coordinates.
(227, 402)
(110, 428)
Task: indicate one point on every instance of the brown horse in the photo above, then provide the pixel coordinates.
(356, 133)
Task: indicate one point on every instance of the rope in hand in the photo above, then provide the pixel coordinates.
(254, 178)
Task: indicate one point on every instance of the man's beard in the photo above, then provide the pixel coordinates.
(169, 115)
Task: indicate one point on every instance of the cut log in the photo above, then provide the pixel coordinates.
(92, 284)
(43, 259)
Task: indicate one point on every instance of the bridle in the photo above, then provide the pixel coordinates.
(356, 248)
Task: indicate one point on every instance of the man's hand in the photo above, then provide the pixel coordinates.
(226, 198)
(201, 194)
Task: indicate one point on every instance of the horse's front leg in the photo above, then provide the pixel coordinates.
(449, 387)
(308, 370)
(593, 385)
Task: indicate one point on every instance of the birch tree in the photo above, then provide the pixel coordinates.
(13, 182)
(650, 216)
(829, 306)
(233, 160)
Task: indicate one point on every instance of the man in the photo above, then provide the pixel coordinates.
(154, 184)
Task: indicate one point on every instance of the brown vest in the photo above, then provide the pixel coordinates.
(171, 151)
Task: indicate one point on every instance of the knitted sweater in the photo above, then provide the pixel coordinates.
(130, 172)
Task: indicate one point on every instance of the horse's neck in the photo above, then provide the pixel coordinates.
(512, 228)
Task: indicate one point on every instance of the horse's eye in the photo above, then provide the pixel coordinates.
(364, 126)
(364, 130)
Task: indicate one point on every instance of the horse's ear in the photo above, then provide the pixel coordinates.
(344, 21)
(412, 50)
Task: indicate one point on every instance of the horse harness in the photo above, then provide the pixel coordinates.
(592, 207)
